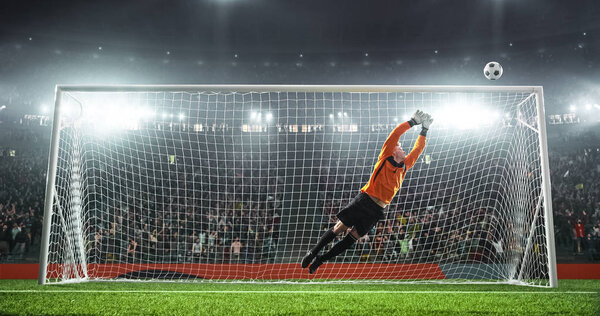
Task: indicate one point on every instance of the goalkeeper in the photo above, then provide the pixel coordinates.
(367, 208)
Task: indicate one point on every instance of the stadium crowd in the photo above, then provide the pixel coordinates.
(242, 223)
(21, 202)
(576, 193)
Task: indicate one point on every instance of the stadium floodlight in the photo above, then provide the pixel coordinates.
(268, 117)
(148, 113)
(476, 208)
(588, 106)
(181, 116)
(573, 108)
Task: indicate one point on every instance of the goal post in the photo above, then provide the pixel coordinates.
(547, 192)
(237, 182)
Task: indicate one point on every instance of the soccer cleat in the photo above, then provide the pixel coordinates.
(315, 265)
(307, 259)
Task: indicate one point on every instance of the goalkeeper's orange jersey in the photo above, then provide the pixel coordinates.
(388, 175)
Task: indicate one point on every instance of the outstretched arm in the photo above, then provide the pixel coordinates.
(414, 154)
(392, 140)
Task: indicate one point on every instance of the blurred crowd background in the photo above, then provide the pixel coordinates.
(239, 225)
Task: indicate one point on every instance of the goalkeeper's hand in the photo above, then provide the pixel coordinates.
(427, 120)
(417, 118)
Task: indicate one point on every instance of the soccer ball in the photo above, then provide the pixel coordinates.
(492, 70)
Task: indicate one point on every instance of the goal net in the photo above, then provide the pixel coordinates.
(236, 183)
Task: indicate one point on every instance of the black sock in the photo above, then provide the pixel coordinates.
(340, 247)
(325, 239)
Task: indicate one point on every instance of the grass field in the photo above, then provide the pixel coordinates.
(580, 297)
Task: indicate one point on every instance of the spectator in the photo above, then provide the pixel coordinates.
(197, 249)
(4, 241)
(579, 235)
(590, 245)
(21, 239)
(13, 236)
(235, 250)
(131, 250)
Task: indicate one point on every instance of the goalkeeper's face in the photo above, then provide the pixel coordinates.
(399, 154)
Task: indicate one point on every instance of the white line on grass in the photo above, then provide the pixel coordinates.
(293, 292)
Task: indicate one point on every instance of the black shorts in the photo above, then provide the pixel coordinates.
(362, 213)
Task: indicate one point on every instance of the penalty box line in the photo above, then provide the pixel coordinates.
(292, 292)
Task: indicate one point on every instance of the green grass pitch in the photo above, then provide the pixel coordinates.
(579, 297)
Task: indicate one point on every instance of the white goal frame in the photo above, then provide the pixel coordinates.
(536, 90)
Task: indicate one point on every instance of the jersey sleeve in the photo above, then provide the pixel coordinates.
(414, 154)
(392, 140)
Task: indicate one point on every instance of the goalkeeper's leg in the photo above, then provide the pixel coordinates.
(326, 238)
(337, 249)
(354, 214)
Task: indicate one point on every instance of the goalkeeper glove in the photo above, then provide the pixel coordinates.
(416, 118)
(427, 120)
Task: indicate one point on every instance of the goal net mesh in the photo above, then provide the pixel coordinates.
(225, 185)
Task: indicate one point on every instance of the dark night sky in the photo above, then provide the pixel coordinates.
(547, 42)
(261, 25)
